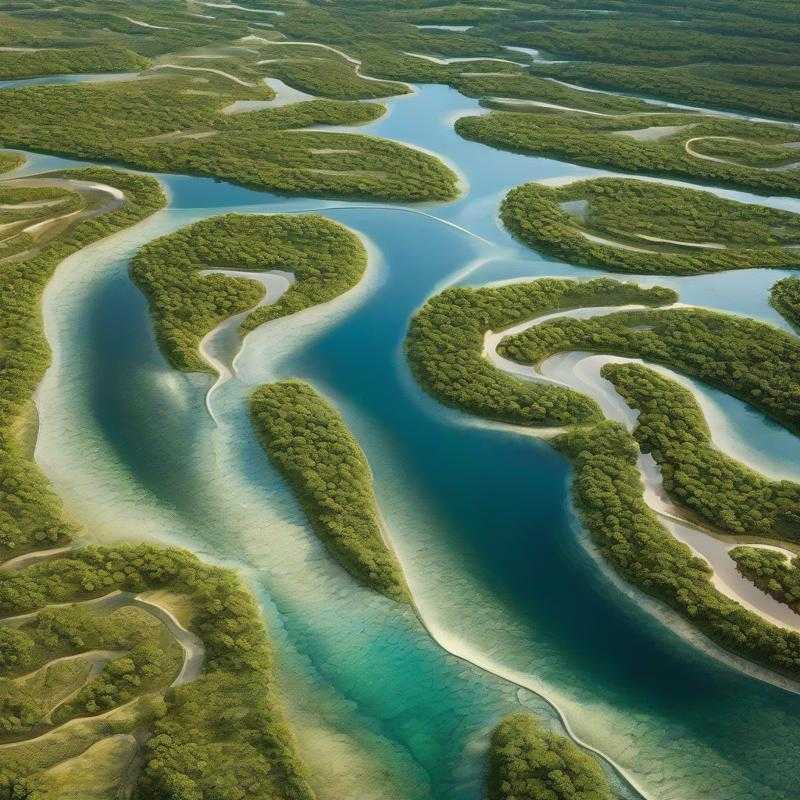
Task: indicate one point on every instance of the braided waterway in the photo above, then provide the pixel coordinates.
(480, 518)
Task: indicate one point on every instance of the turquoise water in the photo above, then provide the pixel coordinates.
(480, 518)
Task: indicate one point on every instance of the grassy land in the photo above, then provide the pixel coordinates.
(772, 572)
(596, 142)
(9, 161)
(694, 85)
(325, 258)
(58, 62)
(218, 734)
(310, 444)
(529, 763)
(717, 488)
(785, 296)
(31, 514)
(445, 342)
(331, 77)
(630, 212)
(152, 124)
(748, 359)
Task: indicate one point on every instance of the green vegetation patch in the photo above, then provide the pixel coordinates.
(445, 343)
(608, 492)
(30, 514)
(331, 77)
(9, 161)
(220, 735)
(527, 762)
(175, 123)
(311, 445)
(325, 258)
(773, 573)
(599, 141)
(694, 84)
(52, 61)
(785, 296)
(631, 214)
(750, 360)
(718, 488)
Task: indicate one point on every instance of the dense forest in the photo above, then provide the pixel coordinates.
(527, 761)
(748, 359)
(718, 488)
(445, 343)
(595, 141)
(215, 737)
(309, 442)
(785, 296)
(325, 258)
(772, 572)
(31, 514)
(631, 214)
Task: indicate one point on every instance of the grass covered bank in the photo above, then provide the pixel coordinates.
(311, 445)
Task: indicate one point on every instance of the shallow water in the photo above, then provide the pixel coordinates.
(480, 518)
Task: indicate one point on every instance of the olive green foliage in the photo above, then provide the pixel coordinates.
(595, 141)
(748, 359)
(772, 572)
(220, 736)
(527, 762)
(383, 63)
(719, 489)
(331, 77)
(608, 492)
(785, 296)
(9, 161)
(629, 211)
(15, 64)
(530, 87)
(753, 154)
(686, 84)
(152, 124)
(445, 342)
(30, 514)
(325, 258)
(310, 444)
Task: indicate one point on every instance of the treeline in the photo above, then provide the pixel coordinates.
(785, 297)
(325, 258)
(310, 444)
(142, 123)
(608, 492)
(528, 762)
(330, 77)
(691, 84)
(213, 736)
(750, 360)
(445, 344)
(53, 61)
(718, 488)
(588, 140)
(773, 573)
(631, 211)
(30, 514)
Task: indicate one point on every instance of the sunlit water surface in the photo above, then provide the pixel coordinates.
(480, 518)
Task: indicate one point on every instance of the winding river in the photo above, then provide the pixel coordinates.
(515, 606)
